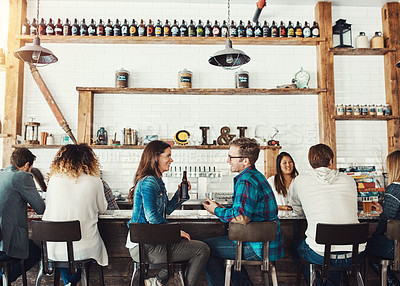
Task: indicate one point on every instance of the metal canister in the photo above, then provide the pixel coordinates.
(387, 110)
(372, 109)
(364, 109)
(356, 109)
(242, 79)
(349, 109)
(339, 109)
(185, 78)
(379, 109)
(121, 78)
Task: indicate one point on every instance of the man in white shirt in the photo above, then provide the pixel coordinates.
(325, 196)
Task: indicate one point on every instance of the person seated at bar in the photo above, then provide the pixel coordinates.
(253, 200)
(151, 205)
(379, 245)
(325, 196)
(75, 192)
(281, 183)
(17, 189)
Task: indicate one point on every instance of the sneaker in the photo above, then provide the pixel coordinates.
(151, 281)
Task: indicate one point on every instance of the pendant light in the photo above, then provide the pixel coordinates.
(229, 58)
(36, 54)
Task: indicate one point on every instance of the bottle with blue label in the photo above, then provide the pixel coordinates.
(121, 78)
(242, 79)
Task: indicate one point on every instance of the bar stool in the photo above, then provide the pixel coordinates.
(6, 266)
(338, 234)
(61, 231)
(252, 232)
(165, 234)
(393, 233)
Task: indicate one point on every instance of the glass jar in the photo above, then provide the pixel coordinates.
(349, 109)
(339, 109)
(364, 109)
(185, 79)
(372, 109)
(387, 110)
(379, 110)
(356, 109)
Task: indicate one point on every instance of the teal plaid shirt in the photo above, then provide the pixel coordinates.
(253, 197)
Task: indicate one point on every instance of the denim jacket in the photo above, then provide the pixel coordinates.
(150, 201)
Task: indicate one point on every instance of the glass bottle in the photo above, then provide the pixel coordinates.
(387, 110)
(183, 29)
(33, 30)
(224, 29)
(50, 28)
(100, 28)
(83, 29)
(290, 30)
(266, 31)
(25, 27)
(298, 30)
(42, 27)
(364, 109)
(232, 29)
(306, 30)
(117, 28)
(274, 30)
(249, 30)
(92, 28)
(241, 31)
(356, 109)
(184, 187)
(339, 109)
(258, 30)
(315, 30)
(208, 29)
(58, 28)
(125, 28)
(109, 28)
(192, 29)
(166, 29)
(150, 29)
(349, 109)
(74, 29)
(199, 29)
(142, 28)
(379, 109)
(282, 30)
(216, 31)
(158, 29)
(175, 29)
(133, 28)
(372, 109)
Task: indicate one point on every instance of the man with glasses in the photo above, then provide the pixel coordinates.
(253, 200)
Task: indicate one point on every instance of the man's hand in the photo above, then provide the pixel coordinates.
(210, 205)
(185, 235)
(377, 206)
(285, 208)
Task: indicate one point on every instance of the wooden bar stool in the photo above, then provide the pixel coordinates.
(165, 234)
(252, 232)
(338, 234)
(6, 266)
(61, 231)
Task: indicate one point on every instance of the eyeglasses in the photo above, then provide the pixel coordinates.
(233, 157)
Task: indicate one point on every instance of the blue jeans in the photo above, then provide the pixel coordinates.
(70, 278)
(305, 252)
(223, 248)
(381, 246)
(33, 258)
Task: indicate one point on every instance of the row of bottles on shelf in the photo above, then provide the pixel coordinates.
(193, 172)
(166, 29)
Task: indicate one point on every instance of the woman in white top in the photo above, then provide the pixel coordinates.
(281, 183)
(75, 192)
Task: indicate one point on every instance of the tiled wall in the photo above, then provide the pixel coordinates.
(357, 80)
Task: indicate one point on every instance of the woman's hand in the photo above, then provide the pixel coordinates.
(285, 208)
(185, 235)
(377, 206)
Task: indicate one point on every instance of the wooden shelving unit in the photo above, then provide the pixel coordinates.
(365, 117)
(172, 40)
(361, 52)
(4, 67)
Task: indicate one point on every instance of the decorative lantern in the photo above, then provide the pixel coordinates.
(31, 135)
(342, 37)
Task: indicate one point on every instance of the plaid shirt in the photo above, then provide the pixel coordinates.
(112, 204)
(253, 197)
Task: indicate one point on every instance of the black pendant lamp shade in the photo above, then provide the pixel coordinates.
(36, 54)
(398, 65)
(229, 58)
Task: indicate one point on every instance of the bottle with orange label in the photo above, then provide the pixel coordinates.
(158, 29)
(150, 29)
(133, 28)
(42, 27)
(100, 28)
(166, 29)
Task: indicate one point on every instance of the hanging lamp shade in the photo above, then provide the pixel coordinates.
(398, 64)
(36, 54)
(229, 58)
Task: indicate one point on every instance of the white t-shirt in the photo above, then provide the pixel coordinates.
(280, 199)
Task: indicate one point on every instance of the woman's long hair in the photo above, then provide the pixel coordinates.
(148, 165)
(393, 166)
(280, 186)
(73, 160)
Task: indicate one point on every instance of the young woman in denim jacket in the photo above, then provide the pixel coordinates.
(151, 205)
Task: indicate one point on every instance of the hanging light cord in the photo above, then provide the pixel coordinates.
(37, 10)
(229, 17)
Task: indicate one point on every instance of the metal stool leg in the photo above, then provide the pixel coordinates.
(266, 278)
(313, 275)
(39, 276)
(56, 276)
(384, 272)
(228, 269)
(135, 268)
(360, 281)
(180, 277)
(85, 276)
(6, 274)
(101, 275)
(273, 274)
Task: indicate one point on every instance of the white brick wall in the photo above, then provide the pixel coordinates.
(357, 80)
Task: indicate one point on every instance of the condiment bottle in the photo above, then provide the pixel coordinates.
(306, 30)
(74, 29)
(191, 29)
(377, 41)
(362, 41)
(58, 28)
(282, 30)
(184, 187)
(100, 28)
(183, 29)
(364, 109)
(356, 109)
(25, 27)
(109, 28)
(348, 109)
(339, 109)
(379, 110)
(208, 29)
(150, 29)
(372, 109)
(42, 27)
(50, 28)
(158, 28)
(91, 28)
(298, 30)
(224, 29)
(249, 30)
(387, 110)
(117, 28)
(315, 30)
(232, 29)
(142, 28)
(199, 29)
(241, 32)
(175, 29)
(290, 30)
(266, 31)
(166, 29)
(258, 30)
(125, 28)
(216, 31)
(84, 30)
(274, 30)
(33, 28)
(133, 29)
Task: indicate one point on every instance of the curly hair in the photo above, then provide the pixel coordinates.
(74, 160)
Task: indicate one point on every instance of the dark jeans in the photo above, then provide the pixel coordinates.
(70, 278)
(33, 258)
(380, 246)
(305, 252)
(223, 248)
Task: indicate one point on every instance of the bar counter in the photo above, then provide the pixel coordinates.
(199, 224)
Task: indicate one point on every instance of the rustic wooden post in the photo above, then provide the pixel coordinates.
(325, 75)
(85, 116)
(391, 34)
(270, 155)
(13, 101)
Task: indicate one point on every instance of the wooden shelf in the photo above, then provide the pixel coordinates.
(173, 40)
(4, 135)
(364, 117)
(4, 67)
(201, 91)
(205, 147)
(361, 52)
